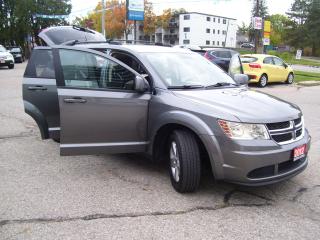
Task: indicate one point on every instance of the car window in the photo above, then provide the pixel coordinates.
(268, 60)
(88, 70)
(235, 66)
(247, 59)
(2, 49)
(15, 50)
(223, 54)
(278, 61)
(203, 72)
(41, 65)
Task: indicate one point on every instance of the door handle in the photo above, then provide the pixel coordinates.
(35, 88)
(75, 100)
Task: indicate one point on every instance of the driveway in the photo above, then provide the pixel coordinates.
(45, 196)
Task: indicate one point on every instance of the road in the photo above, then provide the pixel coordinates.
(305, 68)
(45, 196)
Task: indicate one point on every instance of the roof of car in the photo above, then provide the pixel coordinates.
(257, 55)
(135, 48)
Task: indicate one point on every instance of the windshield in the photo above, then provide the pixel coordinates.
(184, 69)
(2, 49)
(15, 50)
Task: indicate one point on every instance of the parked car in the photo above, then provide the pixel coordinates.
(6, 59)
(262, 69)
(247, 45)
(170, 103)
(222, 57)
(17, 53)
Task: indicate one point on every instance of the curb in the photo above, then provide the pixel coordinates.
(309, 83)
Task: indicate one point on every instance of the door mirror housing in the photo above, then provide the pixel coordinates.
(285, 65)
(141, 84)
(241, 79)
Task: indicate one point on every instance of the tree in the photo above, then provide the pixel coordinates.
(279, 24)
(312, 25)
(149, 23)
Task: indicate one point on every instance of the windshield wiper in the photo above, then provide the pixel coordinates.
(186, 87)
(221, 84)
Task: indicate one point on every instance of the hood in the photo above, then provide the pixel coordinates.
(5, 54)
(246, 105)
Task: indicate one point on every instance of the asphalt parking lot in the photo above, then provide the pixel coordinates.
(45, 196)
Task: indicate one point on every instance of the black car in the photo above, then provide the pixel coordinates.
(17, 53)
(225, 58)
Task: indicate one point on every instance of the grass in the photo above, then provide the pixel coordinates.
(286, 56)
(306, 76)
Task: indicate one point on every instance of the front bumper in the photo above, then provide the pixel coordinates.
(257, 163)
(7, 63)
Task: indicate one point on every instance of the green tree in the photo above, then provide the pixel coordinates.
(279, 24)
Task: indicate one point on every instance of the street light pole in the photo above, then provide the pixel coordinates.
(256, 33)
(103, 16)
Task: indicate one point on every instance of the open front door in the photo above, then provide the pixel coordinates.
(100, 112)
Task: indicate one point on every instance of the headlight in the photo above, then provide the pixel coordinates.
(244, 131)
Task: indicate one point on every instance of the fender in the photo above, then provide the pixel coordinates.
(198, 126)
(41, 121)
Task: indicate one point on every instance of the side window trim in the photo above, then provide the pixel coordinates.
(59, 71)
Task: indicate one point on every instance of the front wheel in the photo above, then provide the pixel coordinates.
(11, 66)
(290, 78)
(263, 81)
(185, 162)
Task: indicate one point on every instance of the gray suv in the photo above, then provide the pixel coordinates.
(171, 103)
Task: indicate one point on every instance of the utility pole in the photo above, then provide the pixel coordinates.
(256, 31)
(103, 17)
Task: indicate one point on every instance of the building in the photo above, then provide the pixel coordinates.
(194, 29)
(207, 30)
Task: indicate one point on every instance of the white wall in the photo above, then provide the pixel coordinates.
(198, 36)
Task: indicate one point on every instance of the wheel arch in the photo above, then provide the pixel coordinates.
(187, 121)
(39, 118)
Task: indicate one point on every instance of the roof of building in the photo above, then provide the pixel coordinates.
(207, 15)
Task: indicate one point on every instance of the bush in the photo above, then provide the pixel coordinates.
(274, 53)
(286, 56)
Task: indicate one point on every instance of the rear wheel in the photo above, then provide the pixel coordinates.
(290, 78)
(263, 81)
(185, 162)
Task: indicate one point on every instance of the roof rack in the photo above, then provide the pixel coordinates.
(114, 42)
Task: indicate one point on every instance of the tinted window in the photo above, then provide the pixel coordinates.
(40, 64)
(208, 30)
(207, 42)
(224, 21)
(213, 31)
(246, 59)
(87, 70)
(62, 35)
(278, 61)
(186, 41)
(186, 29)
(223, 54)
(268, 60)
(208, 19)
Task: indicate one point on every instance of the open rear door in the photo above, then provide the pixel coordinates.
(100, 112)
(63, 34)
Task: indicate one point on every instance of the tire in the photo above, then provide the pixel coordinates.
(290, 78)
(57, 140)
(263, 81)
(11, 66)
(184, 161)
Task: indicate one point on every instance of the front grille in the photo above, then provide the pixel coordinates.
(276, 169)
(286, 132)
(278, 125)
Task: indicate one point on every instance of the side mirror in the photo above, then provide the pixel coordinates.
(285, 65)
(141, 85)
(241, 79)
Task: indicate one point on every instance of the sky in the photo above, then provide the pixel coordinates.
(238, 9)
